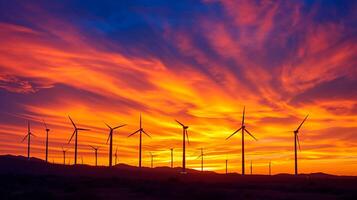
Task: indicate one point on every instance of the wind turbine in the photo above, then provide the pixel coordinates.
(184, 136)
(296, 140)
(172, 157)
(244, 130)
(110, 138)
(201, 156)
(116, 155)
(28, 136)
(64, 155)
(152, 159)
(140, 131)
(47, 130)
(95, 154)
(82, 160)
(75, 133)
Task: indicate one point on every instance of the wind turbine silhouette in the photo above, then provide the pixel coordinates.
(75, 133)
(116, 155)
(296, 140)
(172, 157)
(110, 138)
(47, 130)
(28, 136)
(184, 135)
(201, 156)
(152, 159)
(243, 131)
(95, 154)
(140, 131)
(64, 155)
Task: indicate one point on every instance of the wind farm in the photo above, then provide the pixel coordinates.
(209, 99)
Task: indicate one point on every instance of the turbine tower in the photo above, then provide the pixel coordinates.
(251, 167)
(244, 130)
(226, 166)
(296, 140)
(172, 157)
(269, 168)
(28, 136)
(110, 139)
(75, 133)
(47, 130)
(95, 154)
(184, 136)
(140, 131)
(116, 155)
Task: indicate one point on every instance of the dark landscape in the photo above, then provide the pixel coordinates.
(34, 179)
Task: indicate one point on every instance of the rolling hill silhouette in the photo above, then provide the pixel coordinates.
(35, 179)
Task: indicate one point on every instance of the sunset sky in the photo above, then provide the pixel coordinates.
(198, 62)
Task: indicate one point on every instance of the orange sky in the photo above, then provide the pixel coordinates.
(281, 62)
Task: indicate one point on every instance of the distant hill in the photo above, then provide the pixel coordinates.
(35, 179)
(21, 165)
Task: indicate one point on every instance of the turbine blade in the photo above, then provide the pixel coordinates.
(28, 126)
(234, 133)
(92, 146)
(146, 134)
(297, 138)
(180, 123)
(44, 123)
(302, 123)
(24, 138)
(107, 125)
(140, 121)
(108, 139)
(188, 141)
(243, 115)
(119, 126)
(72, 122)
(71, 136)
(33, 134)
(133, 133)
(83, 129)
(251, 135)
